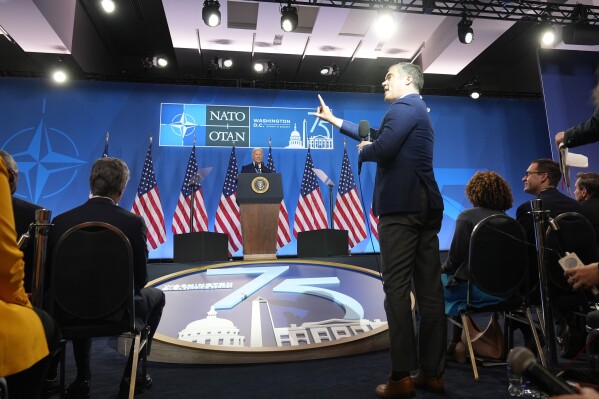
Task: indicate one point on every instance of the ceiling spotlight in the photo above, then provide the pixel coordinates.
(108, 6)
(220, 63)
(547, 33)
(465, 32)
(211, 13)
(384, 23)
(264, 66)
(159, 62)
(59, 76)
(472, 88)
(289, 18)
(329, 70)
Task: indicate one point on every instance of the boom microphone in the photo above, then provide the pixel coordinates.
(363, 132)
(523, 362)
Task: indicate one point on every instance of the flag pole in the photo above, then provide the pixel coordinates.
(193, 186)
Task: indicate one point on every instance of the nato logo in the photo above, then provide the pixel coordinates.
(47, 157)
(180, 123)
(266, 306)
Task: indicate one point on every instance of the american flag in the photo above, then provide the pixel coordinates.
(310, 213)
(284, 232)
(181, 221)
(228, 219)
(348, 214)
(147, 203)
(374, 223)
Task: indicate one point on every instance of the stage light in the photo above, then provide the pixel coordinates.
(159, 62)
(465, 32)
(289, 18)
(264, 66)
(472, 87)
(211, 13)
(384, 23)
(59, 76)
(108, 6)
(475, 94)
(547, 34)
(329, 70)
(220, 63)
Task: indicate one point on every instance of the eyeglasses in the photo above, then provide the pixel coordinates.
(532, 173)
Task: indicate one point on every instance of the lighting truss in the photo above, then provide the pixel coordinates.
(486, 9)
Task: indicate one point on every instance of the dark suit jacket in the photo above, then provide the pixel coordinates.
(584, 133)
(590, 208)
(249, 168)
(403, 151)
(104, 210)
(25, 215)
(553, 201)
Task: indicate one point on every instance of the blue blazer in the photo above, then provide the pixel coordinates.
(402, 147)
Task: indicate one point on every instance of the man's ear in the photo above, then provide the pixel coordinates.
(11, 176)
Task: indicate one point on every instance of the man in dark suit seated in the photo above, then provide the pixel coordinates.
(540, 180)
(586, 192)
(257, 166)
(24, 213)
(108, 179)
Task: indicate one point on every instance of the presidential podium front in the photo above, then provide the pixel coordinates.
(259, 197)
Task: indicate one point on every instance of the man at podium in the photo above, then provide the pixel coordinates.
(257, 166)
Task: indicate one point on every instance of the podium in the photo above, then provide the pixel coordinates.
(259, 197)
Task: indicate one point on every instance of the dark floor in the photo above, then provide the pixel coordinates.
(346, 377)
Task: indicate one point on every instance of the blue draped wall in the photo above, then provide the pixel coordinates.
(488, 134)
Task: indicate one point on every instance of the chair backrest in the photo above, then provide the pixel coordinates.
(498, 258)
(574, 234)
(92, 281)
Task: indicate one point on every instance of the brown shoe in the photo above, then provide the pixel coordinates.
(402, 389)
(432, 384)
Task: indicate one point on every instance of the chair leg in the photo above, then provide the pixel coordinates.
(469, 342)
(63, 350)
(136, 344)
(536, 337)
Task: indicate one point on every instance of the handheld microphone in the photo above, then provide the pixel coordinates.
(363, 132)
(523, 362)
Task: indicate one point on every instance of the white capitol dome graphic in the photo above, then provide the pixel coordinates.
(300, 140)
(212, 331)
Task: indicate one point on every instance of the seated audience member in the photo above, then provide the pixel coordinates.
(257, 166)
(24, 213)
(27, 335)
(586, 190)
(540, 180)
(490, 194)
(107, 180)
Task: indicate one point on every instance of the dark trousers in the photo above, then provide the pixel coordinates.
(148, 310)
(410, 253)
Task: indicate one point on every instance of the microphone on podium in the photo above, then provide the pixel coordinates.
(363, 132)
(523, 362)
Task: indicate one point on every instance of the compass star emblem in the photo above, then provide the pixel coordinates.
(44, 171)
(183, 124)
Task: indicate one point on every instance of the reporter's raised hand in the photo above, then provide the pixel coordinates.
(324, 112)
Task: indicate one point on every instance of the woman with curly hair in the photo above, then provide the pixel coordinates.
(490, 194)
